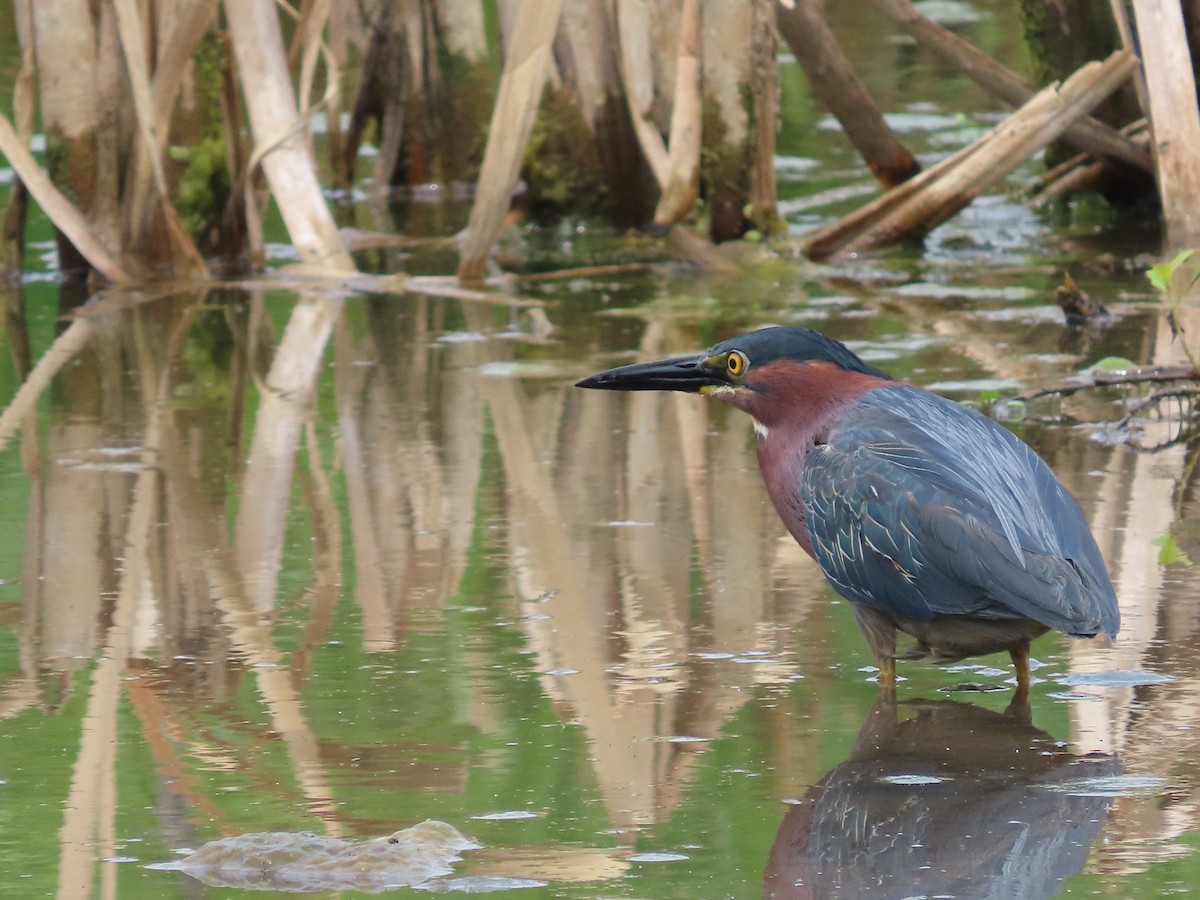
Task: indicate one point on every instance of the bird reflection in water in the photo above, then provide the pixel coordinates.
(954, 801)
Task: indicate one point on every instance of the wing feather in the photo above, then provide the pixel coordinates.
(919, 507)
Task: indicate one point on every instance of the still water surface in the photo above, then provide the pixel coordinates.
(339, 563)
(441, 583)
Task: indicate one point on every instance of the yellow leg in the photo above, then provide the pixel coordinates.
(887, 672)
(1020, 658)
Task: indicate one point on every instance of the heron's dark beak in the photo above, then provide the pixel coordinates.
(682, 373)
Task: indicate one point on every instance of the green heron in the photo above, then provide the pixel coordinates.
(930, 518)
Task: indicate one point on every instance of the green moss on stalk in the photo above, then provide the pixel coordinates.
(204, 183)
(60, 165)
(723, 174)
(468, 94)
(563, 170)
(1063, 36)
(209, 66)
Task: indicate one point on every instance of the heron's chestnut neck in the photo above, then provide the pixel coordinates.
(800, 395)
(793, 405)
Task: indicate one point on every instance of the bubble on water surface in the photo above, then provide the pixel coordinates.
(1132, 678)
(1111, 786)
(658, 857)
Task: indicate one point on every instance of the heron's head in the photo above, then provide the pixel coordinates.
(769, 373)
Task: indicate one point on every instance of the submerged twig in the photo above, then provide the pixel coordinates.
(1158, 375)
(1155, 398)
(581, 272)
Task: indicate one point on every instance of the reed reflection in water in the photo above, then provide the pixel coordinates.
(253, 524)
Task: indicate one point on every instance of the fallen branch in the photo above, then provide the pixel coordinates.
(838, 86)
(829, 239)
(1088, 134)
(690, 246)
(919, 205)
(582, 272)
(1186, 398)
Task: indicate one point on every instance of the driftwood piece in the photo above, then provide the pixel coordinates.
(1174, 117)
(1076, 180)
(1087, 134)
(525, 72)
(835, 82)
(912, 209)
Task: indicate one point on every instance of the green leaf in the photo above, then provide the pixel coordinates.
(1114, 364)
(1160, 277)
(1169, 551)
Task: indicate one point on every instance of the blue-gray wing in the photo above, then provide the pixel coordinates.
(919, 507)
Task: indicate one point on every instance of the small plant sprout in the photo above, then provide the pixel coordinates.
(1173, 290)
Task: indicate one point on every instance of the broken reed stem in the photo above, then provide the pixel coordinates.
(278, 129)
(682, 187)
(58, 209)
(517, 100)
(637, 77)
(1173, 114)
(185, 256)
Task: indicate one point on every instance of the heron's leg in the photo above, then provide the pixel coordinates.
(1019, 709)
(1020, 658)
(887, 672)
(880, 632)
(879, 730)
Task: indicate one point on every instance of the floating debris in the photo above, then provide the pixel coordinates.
(1079, 307)
(507, 815)
(912, 780)
(299, 862)
(658, 857)
(1128, 785)
(1134, 678)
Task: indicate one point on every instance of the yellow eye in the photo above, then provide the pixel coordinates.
(736, 364)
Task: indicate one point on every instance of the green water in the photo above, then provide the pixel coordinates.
(438, 582)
